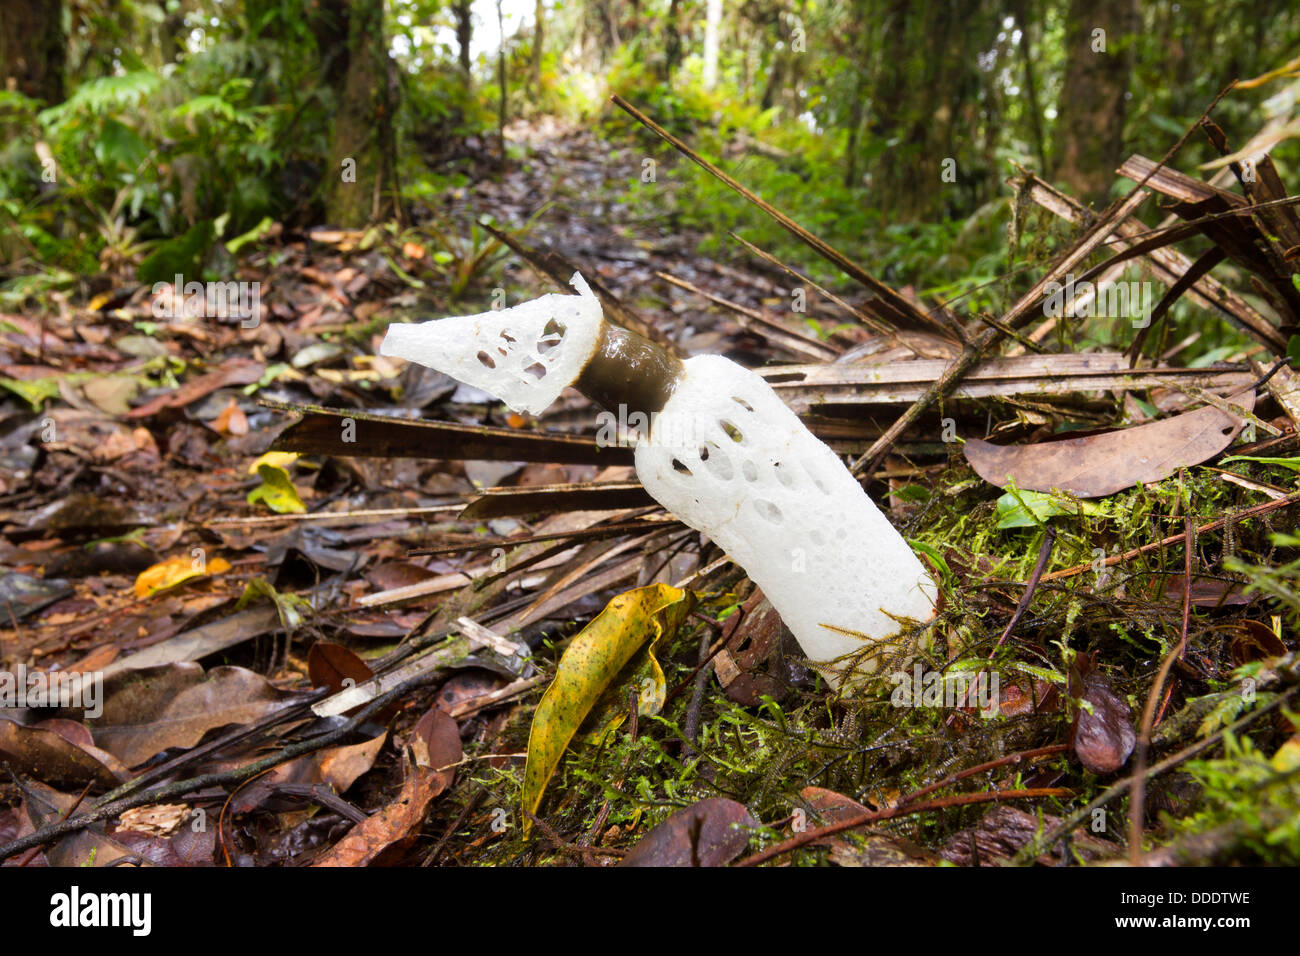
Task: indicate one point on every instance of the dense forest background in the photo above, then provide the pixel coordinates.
(889, 128)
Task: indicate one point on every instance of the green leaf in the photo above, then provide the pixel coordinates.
(35, 392)
(588, 668)
(254, 234)
(276, 491)
(120, 145)
(1042, 673)
(289, 606)
(611, 710)
(933, 554)
(1037, 507)
(1292, 463)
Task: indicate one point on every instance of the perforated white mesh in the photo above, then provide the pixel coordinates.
(728, 458)
(731, 460)
(524, 355)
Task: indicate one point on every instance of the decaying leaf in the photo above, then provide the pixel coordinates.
(1103, 735)
(753, 637)
(1100, 465)
(334, 666)
(237, 371)
(60, 752)
(831, 806)
(199, 642)
(160, 819)
(336, 767)
(588, 667)
(713, 832)
(435, 746)
(150, 710)
(1253, 641)
(25, 594)
(84, 848)
(999, 834)
(877, 849)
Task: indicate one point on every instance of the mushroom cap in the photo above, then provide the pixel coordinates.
(514, 354)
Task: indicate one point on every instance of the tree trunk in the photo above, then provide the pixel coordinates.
(926, 92)
(464, 33)
(539, 38)
(672, 39)
(328, 22)
(33, 49)
(501, 83)
(859, 67)
(362, 144)
(1023, 21)
(1090, 116)
(712, 26)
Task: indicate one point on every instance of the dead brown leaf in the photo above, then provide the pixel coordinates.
(1100, 465)
(435, 748)
(1103, 735)
(60, 753)
(237, 371)
(712, 832)
(151, 710)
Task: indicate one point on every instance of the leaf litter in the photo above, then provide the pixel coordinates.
(222, 593)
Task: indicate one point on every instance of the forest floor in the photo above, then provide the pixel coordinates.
(143, 512)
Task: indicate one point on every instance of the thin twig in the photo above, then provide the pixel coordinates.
(691, 726)
(1044, 554)
(873, 816)
(1138, 780)
(1021, 311)
(1048, 751)
(104, 811)
(1252, 512)
(893, 306)
(586, 852)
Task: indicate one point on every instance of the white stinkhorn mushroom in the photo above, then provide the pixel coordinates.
(724, 454)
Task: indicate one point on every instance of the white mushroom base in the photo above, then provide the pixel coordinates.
(732, 461)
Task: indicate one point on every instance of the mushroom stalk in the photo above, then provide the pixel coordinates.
(723, 453)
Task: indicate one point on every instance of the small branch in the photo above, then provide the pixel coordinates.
(967, 799)
(892, 306)
(1138, 780)
(180, 788)
(1252, 512)
(1048, 751)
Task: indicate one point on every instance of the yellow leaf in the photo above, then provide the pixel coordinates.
(101, 300)
(173, 571)
(611, 710)
(276, 491)
(1287, 758)
(276, 459)
(589, 666)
